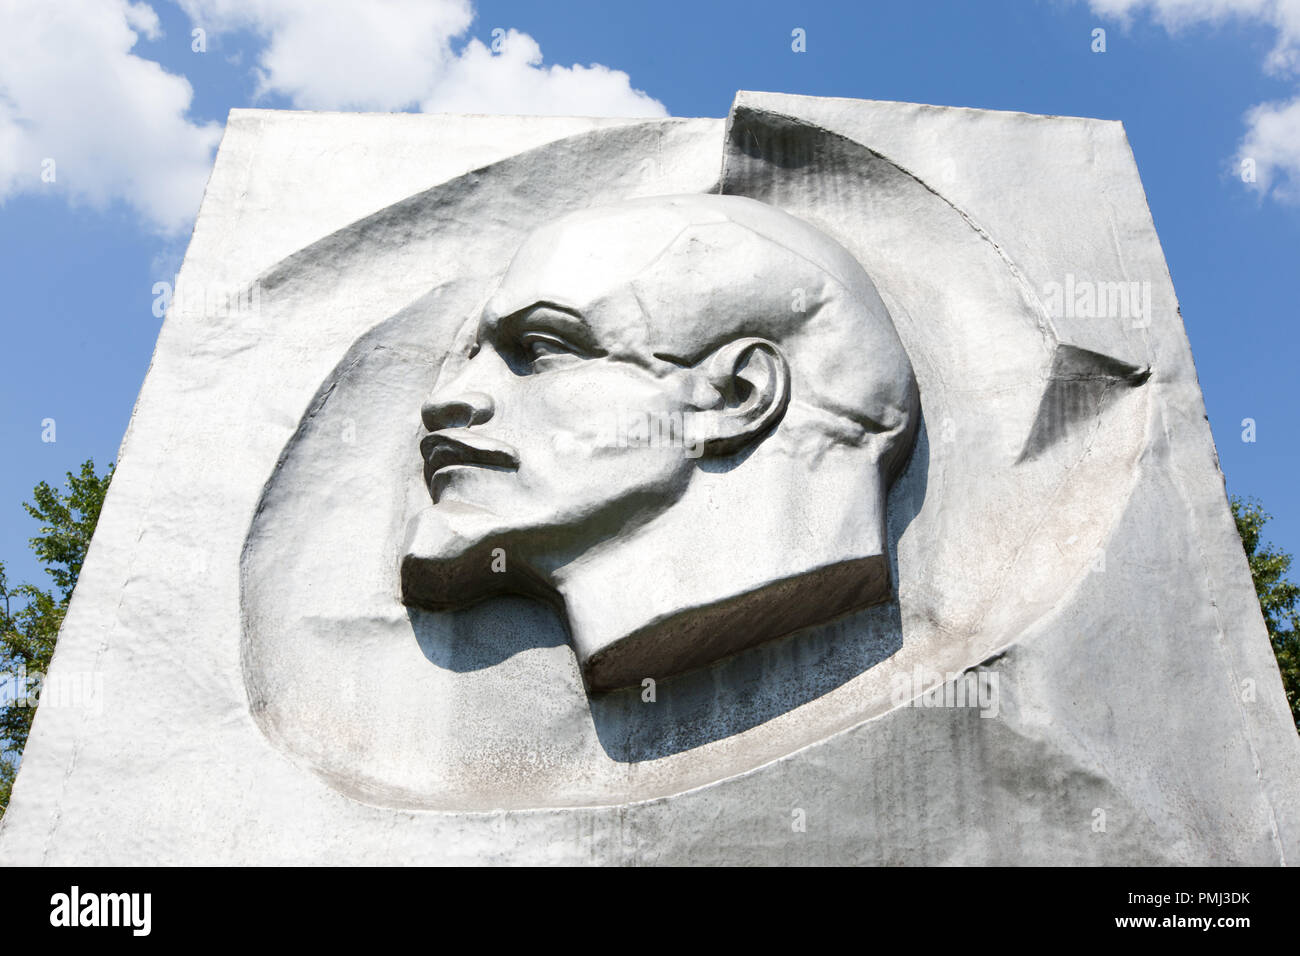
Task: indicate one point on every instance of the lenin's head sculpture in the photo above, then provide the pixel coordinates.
(677, 420)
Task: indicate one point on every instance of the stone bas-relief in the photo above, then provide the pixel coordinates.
(895, 467)
(700, 381)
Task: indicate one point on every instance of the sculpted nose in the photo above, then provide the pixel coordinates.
(461, 411)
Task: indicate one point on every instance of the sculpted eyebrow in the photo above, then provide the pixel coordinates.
(548, 315)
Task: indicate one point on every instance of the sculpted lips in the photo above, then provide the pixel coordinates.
(445, 448)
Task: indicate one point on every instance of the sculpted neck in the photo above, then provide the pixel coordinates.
(725, 569)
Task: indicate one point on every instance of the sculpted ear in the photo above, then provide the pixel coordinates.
(753, 379)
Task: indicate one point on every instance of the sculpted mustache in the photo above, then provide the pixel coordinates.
(441, 449)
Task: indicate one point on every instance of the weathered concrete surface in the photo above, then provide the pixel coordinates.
(1061, 529)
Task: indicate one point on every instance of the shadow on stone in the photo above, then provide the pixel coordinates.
(708, 704)
(754, 686)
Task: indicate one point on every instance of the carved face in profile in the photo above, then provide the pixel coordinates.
(529, 419)
(649, 382)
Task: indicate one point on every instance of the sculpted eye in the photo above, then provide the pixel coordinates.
(538, 346)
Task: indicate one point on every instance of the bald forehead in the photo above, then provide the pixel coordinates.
(586, 256)
(675, 273)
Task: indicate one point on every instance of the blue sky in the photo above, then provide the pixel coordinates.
(79, 257)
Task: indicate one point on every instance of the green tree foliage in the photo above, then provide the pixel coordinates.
(30, 617)
(1279, 598)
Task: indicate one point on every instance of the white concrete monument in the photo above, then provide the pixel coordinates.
(826, 484)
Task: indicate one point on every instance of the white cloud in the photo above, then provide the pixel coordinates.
(1282, 15)
(1272, 137)
(74, 90)
(514, 80)
(398, 54)
(114, 123)
(1273, 142)
(340, 54)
